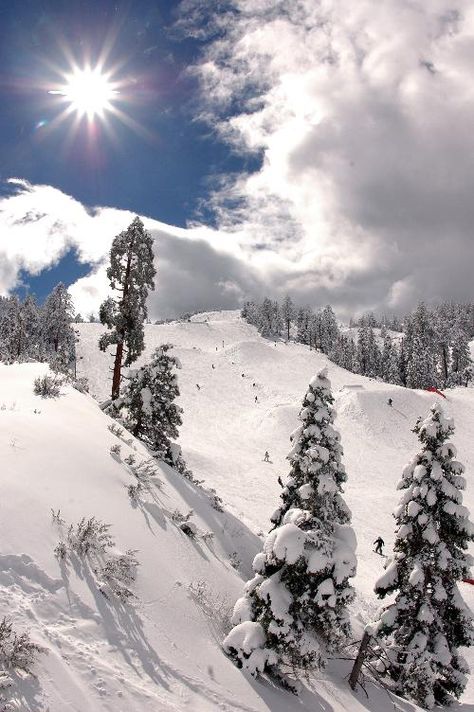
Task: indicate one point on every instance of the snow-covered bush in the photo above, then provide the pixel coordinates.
(47, 386)
(117, 575)
(115, 430)
(91, 541)
(422, 630)
(18, 654)
(215, 606)
(89, 536)
(295, 608)
(115, 449)
(81, 384)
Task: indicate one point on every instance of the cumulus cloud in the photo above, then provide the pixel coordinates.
(362, 114)
(197, 267)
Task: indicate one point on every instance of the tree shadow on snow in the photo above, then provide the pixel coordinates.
(25, 694)
(230, 532)
(123, 629)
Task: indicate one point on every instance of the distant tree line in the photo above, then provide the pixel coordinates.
(31, 332)
(429, 349)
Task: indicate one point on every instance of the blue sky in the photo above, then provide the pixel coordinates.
(322, 149)
(165, 174)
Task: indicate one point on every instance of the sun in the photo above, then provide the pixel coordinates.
(88, 91)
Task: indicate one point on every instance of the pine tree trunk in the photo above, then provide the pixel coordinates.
(359, 661)
(117, 371)
(119, 353)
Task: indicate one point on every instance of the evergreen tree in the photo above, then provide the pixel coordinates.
(288, 314)
(295, 608)
(461, 363)
(428, 622)
(389, 361)
(266, 318)
(57, 315)
(150, 411)
(421, 369)
(329, 330)
(131, 273)
(368, 353)
(303, 319)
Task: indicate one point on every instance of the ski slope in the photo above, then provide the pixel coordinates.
(164, 652)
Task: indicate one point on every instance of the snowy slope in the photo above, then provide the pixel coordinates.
(164, 653)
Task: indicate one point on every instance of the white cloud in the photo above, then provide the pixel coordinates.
(198, 268)
(363, 115)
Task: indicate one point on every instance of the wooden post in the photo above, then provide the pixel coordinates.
(359, 661)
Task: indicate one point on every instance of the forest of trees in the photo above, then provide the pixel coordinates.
(427, 348)
(30, 332)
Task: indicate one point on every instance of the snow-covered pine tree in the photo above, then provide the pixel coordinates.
(11, 332)
(368, 353)
(422, 367)
(303, 319)
(389, 361)
(295, 608)
(131, 273)
(329, 329)
(150, 411)
(423, 629)
(288, 313)
(31, 318)
(58, 336)
(461, 370)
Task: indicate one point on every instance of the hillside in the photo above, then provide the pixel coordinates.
(164, 652)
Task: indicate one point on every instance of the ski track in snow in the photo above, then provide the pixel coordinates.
(164, 653)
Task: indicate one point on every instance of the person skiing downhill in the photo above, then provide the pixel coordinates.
(379, 543)
(390, 402)
(266, 457)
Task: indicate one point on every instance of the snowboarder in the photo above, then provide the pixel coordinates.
(379, 543)
(266, 457)
(243, 375)
(198, 386)
(390, 402)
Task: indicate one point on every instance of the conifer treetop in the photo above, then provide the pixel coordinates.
(294, 610)
(428, 621)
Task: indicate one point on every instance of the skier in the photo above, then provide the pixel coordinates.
(379, 543)
(212, 365)
(198, 386)
(254, 385)
(390, 402)
(266, 457)
(256, 399)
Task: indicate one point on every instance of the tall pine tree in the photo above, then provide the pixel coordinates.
(131, 273)
(295, 608)
(423, 629)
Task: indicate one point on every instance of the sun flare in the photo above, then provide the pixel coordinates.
(89, 92)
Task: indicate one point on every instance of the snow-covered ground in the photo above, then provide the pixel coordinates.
(164, 653)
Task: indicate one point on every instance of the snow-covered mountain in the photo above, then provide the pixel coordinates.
(163, 653)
